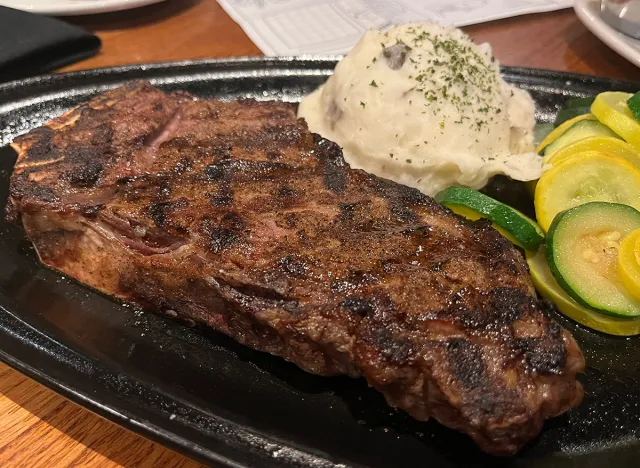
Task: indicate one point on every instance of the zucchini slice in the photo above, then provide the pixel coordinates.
(558, 132)
(570, 113)
(634, 105)
(579, 102)
(578, 131)
(582, 251)
(548, 287)
(515, 226)
(586, 177)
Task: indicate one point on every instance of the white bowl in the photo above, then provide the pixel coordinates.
(588, 12)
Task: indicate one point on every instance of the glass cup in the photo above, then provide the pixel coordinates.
(623, 15)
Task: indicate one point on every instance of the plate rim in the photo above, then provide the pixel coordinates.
(612, 38)
(66, 8)
(113, 74)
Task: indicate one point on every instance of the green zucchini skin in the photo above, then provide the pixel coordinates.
(580, 102)
(519, 226)
(570, 113)
(579, 131)
(556, 245)
(634, 105)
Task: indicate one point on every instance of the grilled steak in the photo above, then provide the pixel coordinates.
(234, 215)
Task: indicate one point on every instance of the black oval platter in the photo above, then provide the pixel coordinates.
(204, 395)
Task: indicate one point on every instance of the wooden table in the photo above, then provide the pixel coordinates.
(40, 429)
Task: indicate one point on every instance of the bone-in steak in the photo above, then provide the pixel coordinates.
(234, 215)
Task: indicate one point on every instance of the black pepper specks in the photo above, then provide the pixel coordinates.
(358, 305)
(466, 362)
(85, 175)
(293, 265)
(159, 212)
(214, 172)
(221, 239)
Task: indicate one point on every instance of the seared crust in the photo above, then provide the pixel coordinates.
(234, 215)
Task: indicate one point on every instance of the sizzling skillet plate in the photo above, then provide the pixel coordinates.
(199, 392)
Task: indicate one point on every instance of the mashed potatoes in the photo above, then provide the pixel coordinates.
(423, 105)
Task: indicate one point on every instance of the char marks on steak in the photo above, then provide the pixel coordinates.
(234, 215)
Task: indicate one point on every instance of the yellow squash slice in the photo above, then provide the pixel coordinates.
(608, 145)
(611, 109)
(547, 286)
(629, 263)
(583, 179)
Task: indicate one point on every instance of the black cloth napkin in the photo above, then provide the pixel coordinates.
(33, 44)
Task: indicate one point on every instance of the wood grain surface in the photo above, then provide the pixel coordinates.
(38, 428)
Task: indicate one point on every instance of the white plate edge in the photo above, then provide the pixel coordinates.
(604, 32)
(67, 9)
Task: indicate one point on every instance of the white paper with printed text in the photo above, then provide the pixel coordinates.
(332, 27)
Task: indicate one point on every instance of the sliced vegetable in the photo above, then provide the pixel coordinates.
(613, 146)
(570, 113)
(548, 287)
(629, 263)
(634, 105)
(579, 102)
(582, 250)
(512, 224)
(578, 131)
(582, 179)
(558, 132)
(541, 131)
(611, 109)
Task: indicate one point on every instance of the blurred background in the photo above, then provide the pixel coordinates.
(580, 35)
